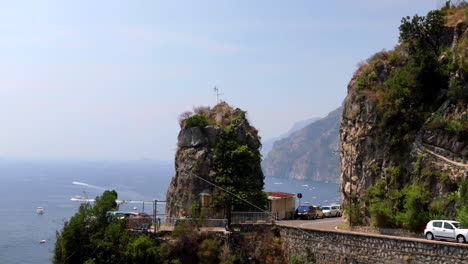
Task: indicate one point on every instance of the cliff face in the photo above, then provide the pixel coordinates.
(196, 156)
(267, 145)
(309, 153)
(432, 150)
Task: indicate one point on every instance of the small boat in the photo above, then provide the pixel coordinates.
(40, 210)
(305, 185)
(278, 183)
(135, 208)
(42, 241)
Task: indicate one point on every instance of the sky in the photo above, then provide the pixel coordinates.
(108, 79)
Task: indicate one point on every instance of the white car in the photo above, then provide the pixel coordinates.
(329, 210)
(445, 230)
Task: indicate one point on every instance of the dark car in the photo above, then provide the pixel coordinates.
(139, 221)
(307, 212)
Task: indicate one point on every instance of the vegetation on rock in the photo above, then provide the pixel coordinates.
(237, 158)
(238, 170)
(408, 85)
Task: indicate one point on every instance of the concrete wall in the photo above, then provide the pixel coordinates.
(284, 207)
(347, 247)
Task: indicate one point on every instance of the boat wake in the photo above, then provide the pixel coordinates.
(81, 199)
(88, 185)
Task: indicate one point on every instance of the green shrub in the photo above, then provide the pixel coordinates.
(355, 214)
(438, 122)
(416, 200)
(209, 251)
(423, 34)
(462, 216)
(143, 250)
(308, 258)
(196, 121)
(382, 214)
(455, 126)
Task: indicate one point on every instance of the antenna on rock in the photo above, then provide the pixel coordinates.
(216, 90)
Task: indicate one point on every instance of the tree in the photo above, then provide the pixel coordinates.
(238, 170)
(423, 34)
(88, 232)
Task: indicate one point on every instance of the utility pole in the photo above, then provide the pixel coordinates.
(216, 90)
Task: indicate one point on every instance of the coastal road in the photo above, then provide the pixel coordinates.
(320, 224)
(330, 224)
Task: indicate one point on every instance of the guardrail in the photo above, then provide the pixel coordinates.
(253, 217)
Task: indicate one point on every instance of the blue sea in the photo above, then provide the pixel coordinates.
(26, 184)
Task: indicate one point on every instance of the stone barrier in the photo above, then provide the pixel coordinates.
(345, 247)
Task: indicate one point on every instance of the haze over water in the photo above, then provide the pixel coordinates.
(26, 184)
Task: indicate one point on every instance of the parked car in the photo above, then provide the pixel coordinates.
(446, 230)
(139, 220)
(308, 212)
(136, 220)
(318, 211)
(330, 211)
(337, 208)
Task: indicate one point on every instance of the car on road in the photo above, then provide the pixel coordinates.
(446, 230)
(136, 220)
(337, 208)
(318, 212)
(308, 212)
(330, 211)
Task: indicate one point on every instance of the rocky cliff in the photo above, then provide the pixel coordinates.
(267, 144)
(310, 153)
(200, 158)
(404, 140)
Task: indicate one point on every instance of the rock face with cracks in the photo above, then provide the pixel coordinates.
(195, 157)
(366, 154)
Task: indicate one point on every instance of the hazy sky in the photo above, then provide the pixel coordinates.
(108, 79)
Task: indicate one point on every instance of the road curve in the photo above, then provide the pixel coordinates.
(331, 224)
(320, 224)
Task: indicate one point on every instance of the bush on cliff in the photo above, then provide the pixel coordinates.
(196, 121)
(408, 85)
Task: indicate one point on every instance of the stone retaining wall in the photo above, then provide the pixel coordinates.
(386, 231)
(347, 247)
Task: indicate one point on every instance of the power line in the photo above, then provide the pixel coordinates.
(231, 193)
(262, 210)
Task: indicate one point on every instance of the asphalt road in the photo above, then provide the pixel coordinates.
(321, 224)
(330, 224)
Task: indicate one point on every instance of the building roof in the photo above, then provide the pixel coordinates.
(279, 195)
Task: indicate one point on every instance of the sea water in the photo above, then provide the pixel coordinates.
(26, 184)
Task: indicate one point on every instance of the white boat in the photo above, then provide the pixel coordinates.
(135, 208)
(305, 185)
(278, 183)
(42, 241)
(40, 210)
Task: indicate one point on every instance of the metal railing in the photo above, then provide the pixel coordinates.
(253, 217)
(201, 222)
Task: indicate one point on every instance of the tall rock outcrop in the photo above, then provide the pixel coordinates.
(198, 156)
(309, 153)
(406, 126)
